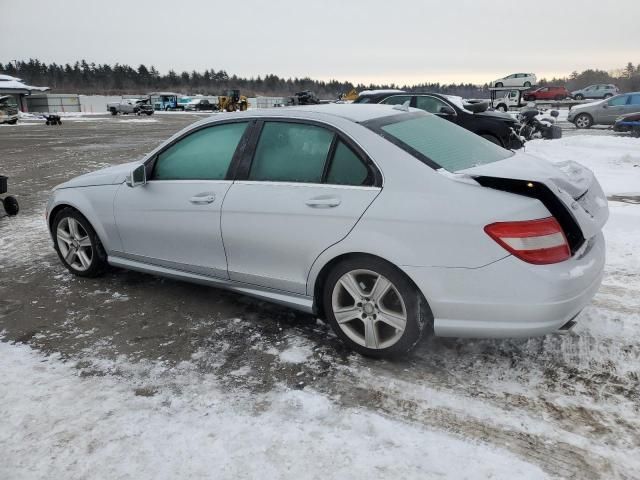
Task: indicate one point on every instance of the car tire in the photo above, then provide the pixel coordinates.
(385, 324)
(492, 139)
(502, 108)
(608, 95)
(583, 120)
(77, 244)
(579, 97)
(526, 84)
(499, 85)
(11, 205)
(114, 111)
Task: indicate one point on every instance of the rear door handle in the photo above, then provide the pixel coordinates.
(323, 202)
(202, 199)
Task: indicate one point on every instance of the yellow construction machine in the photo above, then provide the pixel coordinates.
(232, 101)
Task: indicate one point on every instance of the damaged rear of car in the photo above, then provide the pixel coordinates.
(554, 250)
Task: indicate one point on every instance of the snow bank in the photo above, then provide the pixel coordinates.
(615, 160)
(57, 424)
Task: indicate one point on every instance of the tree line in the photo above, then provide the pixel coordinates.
(104, 79)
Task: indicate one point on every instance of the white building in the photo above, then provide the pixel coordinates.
(18, 90)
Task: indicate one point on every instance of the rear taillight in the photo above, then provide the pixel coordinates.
(539, 241)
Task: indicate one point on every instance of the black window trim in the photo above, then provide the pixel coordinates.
(242, 144)
(241, 171)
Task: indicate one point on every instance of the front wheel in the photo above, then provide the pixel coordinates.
(501, 108)
(374, 308)
(608, 95)
(499, 85)
(78, 245)
(579, 97)
(583, 120)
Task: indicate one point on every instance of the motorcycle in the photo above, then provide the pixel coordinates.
(535, 124)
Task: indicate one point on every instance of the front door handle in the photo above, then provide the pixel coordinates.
(324, 201)
(203, 199)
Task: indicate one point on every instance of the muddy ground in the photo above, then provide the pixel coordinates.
(569, 404)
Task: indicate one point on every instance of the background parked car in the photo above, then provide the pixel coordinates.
(131, 105)
(494, 126)
(201, 104)
(595, 91)
(604, 112)
(547, 93)
(516, 80)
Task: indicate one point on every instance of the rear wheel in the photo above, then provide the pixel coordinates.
(579, 96)
(499, 85)
(374, 308)
(78, 245)
(608, 95)
(527, 84)
(584, 120)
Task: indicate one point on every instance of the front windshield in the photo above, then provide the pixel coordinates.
(441, 143)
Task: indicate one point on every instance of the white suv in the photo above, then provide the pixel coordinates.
(516, 80)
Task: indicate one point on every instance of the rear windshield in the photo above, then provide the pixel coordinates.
(440, 143)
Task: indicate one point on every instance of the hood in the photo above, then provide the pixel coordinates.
(590, 104)
(106, 176)
(574, 184)
(493, 114)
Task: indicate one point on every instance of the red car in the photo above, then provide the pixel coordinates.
(547, 93)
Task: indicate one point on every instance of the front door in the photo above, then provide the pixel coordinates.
(304, 190)
(174, 219)
(611, 109)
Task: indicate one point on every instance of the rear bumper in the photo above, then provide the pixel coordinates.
(510, 298)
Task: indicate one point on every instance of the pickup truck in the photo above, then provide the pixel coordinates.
(131, 105)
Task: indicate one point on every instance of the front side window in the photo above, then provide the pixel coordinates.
(346, 168)
(290, 152)
(635, 99)
(430, 104)
(397, 100)
(203, 155)
(618, 101)
(436, 141)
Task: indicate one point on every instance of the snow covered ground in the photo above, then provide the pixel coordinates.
(105, 383)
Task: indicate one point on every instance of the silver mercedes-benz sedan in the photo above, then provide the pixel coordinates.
(389, 222)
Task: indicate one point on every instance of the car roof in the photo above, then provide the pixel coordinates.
(357, 113)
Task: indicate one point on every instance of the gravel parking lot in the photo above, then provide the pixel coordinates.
(565, 406)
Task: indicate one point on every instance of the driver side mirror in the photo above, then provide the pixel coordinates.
(446, 110)
(605, 105)
(138, 176)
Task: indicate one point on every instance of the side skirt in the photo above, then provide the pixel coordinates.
(302, 303)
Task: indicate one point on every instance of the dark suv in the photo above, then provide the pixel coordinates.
(499, 128)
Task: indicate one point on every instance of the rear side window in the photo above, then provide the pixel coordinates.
(635, 99)
(203, 155)
(441, 142)
(347, 168)
(290, 152)
(397, 100)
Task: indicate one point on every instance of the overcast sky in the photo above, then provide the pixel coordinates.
(401, 41)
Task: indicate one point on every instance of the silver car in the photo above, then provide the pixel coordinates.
(603, 90)
(389, 222)
(604, 112)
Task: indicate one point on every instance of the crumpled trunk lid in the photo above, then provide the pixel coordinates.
(573, 184)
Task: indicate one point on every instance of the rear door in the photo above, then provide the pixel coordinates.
(302, 189)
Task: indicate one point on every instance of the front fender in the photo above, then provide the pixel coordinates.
(96, 204)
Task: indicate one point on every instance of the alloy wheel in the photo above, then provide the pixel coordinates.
(74, 244)
(369, 309)
(582, 121)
